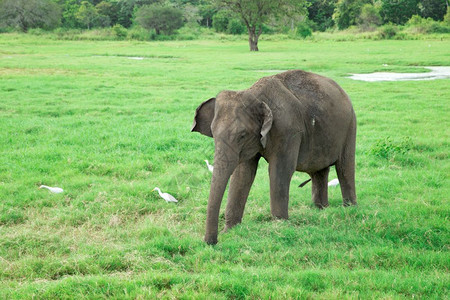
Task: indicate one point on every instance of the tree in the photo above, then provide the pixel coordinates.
(347, 12)
(127, 9)
(398, 11)
(255, 13)
(369, 17)
(321, 13)
(26, 14)
(434, 9)
(87, 14)
(109, 10)
(160, 18)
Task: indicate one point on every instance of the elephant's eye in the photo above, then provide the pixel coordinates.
(242, 135)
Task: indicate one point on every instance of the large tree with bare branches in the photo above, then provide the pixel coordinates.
(254, 13)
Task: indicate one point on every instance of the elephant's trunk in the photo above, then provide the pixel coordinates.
(223, 168)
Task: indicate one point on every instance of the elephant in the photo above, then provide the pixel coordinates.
(296, 121)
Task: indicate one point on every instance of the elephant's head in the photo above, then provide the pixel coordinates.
(239, 124)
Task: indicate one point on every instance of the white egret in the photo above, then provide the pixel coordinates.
(166, 196)
(333, 182)
(55, 190)
(210, 167)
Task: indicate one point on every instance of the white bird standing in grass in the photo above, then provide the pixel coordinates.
(210, 167)
(55, 190)
(166, 196)
(333, 182)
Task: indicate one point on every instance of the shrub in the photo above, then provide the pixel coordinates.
(387, 31)
(303, 30)
(418, 24)
(140, 34)
(386, 148)
(119, 31)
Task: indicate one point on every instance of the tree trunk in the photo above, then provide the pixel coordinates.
(253, 37)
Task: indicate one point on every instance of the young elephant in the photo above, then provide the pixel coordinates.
(297, 121)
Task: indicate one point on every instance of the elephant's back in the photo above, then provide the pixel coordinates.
(313, 87)
(326, 116)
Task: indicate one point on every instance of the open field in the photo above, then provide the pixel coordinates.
(86, 117)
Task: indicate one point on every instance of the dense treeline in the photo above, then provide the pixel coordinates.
(319, 14)
(164, 17)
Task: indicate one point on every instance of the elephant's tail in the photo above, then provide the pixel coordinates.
(304, 183)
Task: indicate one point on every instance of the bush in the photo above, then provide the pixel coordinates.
(388, 31)
(386, 148)
(418, 24)
(119, 31)
(303, 30)
(140, 34)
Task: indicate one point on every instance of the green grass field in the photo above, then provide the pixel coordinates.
(108, 129)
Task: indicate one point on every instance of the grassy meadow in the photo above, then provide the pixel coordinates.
(92, 118)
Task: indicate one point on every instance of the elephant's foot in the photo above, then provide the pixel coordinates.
(321, 204)
(350, 202)
(210, 240)
(280, 216)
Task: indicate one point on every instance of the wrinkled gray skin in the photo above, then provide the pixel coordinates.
(297, 121)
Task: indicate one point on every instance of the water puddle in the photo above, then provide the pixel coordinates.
(436, 73)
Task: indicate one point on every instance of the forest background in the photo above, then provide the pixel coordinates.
(193, 19)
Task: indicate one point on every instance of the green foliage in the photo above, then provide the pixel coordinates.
(321, 13)
(447, 17)
(119, 31)
(235, 26)
(369, 18)
(303, 30)
(256, 13)
(387, 31)
(347, 12)
(418, 24)
(398, 12)
(86, 14)
(434, 9)
(26, 14)
(220, 21)
(386, 148)
(162, 19)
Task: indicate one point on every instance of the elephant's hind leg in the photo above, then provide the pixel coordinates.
(345, 169)
(240, 184)
(320, 187)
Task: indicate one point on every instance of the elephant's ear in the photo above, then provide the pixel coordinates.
(267, 124)
(204, 116)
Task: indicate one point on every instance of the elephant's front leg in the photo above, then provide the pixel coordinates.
(280, 173)
(240, 184)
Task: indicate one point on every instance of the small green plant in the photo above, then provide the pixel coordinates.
(303, 30)
(387, 148)
(119, 31)
(388, 32)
